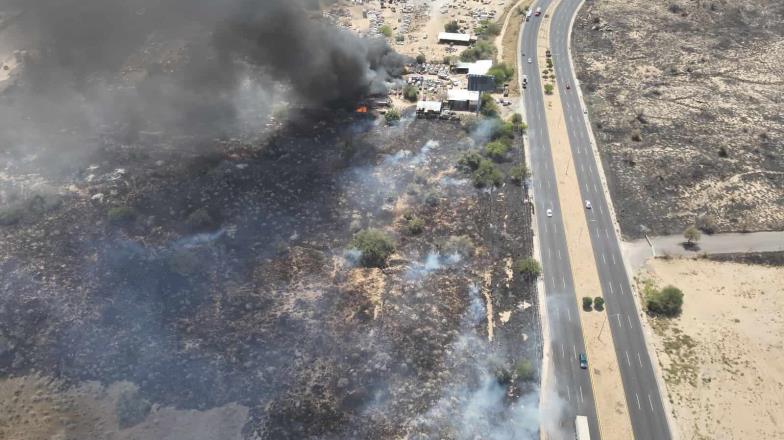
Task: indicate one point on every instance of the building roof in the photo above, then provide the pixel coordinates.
(481, 67)
(462, 95)
(429, 106)
(453, 36)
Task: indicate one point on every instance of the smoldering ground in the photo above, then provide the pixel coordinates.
(94, 68)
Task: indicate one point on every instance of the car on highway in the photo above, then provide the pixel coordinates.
(568, 86)
(587, 204)
(583, 361)
(530, 60)
(549, 212)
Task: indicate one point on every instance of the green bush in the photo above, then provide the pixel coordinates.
(666, 302)
(415, 225)
(548, 89)
(497, 150)
(411, 92)
(692, 234)
(131, 409)
(501, 72)
(482, 50)
(707, 223)
(487, 174)
(518, 174)
(458, 244)
(420, 59)
(452, 26)
(517, 119)
(392, 116)
(488, 28)
(528, 268)
(488, 107)
(598, 303)
(121, 214)
(374, 246)
(386, 30)
(525, 370)
(587, 302)
(470, 161)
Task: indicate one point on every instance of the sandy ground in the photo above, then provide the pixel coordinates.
(605, 376)
(39, 408)
(722, 356)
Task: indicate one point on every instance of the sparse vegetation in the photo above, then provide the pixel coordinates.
(131, 409)
(392, 116)
(517, 122)
(199, 220)
(518, 174)
(413, 224)
(706, 223)
(598, 303)
(501, 72)
(11, 215)
(470, 161)
(666, 302)
(497, 150)
(487, 106)
(420, 59)
(548, 89)
(374, 246)
(692, 235)
(525, 371)
(386, 30)
(482, 50)
(487, 174)
(121, 215)
(452, 26)
(587, 303)
(488, 29)
(411, 92)
(458, 244)
(529, 268)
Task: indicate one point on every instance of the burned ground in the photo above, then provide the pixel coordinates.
(685, 98)
(226, 277)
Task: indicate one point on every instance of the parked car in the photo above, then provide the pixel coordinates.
(583, 361)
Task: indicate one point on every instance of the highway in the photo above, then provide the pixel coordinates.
(647, 413)
(572, 383)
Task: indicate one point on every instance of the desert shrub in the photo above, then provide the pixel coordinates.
(451, 26)
(517, 119)
(374, 246)
(131, 409)
(502, 130)
(121, 214)
(503, 376)
(587, 302)
(487, 106)
(598, 303)
(411, 92)
(400, 38)
(420, 59)
(183, 262)
(11, 215)
(518, 173)
(487, 174)
(692, 234)
(723, 152)
(200, 219)
(415, 225)
(524, 370)
(636, 135)
(458, 244)
(392, 116)
(666, 302)
(706, 223)
(488, 28)
(469, 161)
(386, 30)
(482, 50)
(529, 268)
(450, 60)
(497, 150)
(548, 89)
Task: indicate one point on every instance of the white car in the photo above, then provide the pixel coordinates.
(530, 60)
(587, 204)
(549, 212)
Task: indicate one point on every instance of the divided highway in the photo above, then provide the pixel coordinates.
(572, 383)
(648, 417)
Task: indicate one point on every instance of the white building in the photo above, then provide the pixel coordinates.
(455, 38)
(463, 100)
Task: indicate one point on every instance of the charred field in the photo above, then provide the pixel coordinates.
(226, 275)
(685, 98)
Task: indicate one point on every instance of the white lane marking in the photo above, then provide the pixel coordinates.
(545, 227)
(558, 252)
(604, 258)
(568, 393)
(613, 258)
(569, 315)
(610, 286)
(563, 280)
(619, 324)
(623, 291)
(639, 359)
(583, 400)
(607, 233)
(585, 187)
(552, 281)
(600, 209)
(563, 352)
(594, 188)
(638, 401)
(575, 351)
(550, 253)
(629, 318)
(628, 362)
(650, 401)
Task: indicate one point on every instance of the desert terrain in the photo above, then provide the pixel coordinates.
(685, 102)
(721, 357)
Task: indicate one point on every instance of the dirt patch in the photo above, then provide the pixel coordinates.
(685, 103)
(721, 356)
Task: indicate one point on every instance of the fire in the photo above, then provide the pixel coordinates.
(361, 109)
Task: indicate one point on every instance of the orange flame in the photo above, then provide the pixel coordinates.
(361, 109)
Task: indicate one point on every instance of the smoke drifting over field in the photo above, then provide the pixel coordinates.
(179, 67)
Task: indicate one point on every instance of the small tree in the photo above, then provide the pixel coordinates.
(496, 150)
(415, 225)
(692, 234)
(385, 30)
(487, 174)
(517, 119)
(501, 72)
(420, 59)
(525, 371)
(375, 247)
(392, 116)
(488, 107)
(518, 173)
(598, 303)
(529, 268)
(470, 161)
(587, 302)
(666, 302)
(706, 223)
(548, 89)
(411, 92)
(452, 26)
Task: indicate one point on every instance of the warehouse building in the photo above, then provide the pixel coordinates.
(455, 38)
(463, 100)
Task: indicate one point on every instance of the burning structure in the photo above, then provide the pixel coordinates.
(189, 256)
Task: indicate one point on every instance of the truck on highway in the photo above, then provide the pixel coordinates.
(538, 11)
(581, 428)
(528, 15)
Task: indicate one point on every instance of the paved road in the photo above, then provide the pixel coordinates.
(639, 251)
(572, 384)
(647, 413)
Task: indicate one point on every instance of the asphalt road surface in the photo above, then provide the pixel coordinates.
(647, 413)
(572, 383)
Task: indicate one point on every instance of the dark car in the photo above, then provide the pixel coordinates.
(583, 361)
